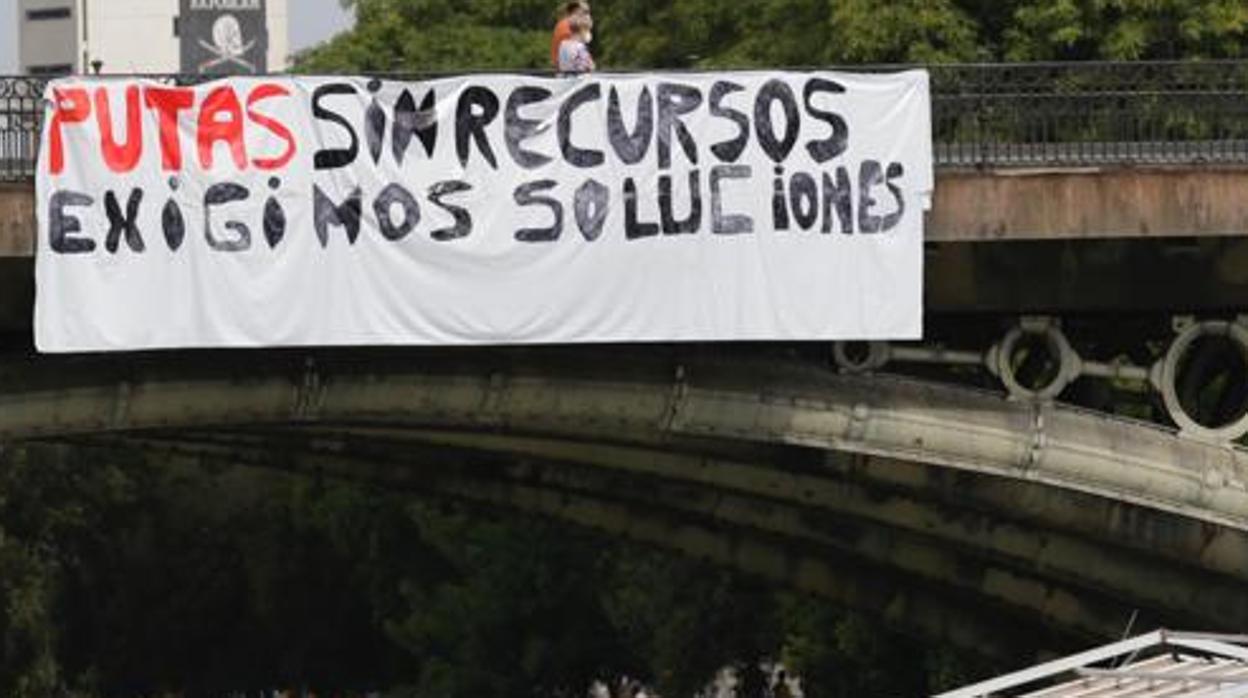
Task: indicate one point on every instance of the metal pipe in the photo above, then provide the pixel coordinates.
(935, 355)
(1115, 370)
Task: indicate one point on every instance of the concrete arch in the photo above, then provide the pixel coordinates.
(607, 393)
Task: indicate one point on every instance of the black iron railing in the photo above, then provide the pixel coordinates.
(21, 108)
(1072, 114)
(984, 115)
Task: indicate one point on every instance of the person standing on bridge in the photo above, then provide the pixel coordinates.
(571, 11)
(574, 55)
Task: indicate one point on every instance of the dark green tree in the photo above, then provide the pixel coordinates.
(440, 35)
(517, 614)
(128, 574)
(1126, 29)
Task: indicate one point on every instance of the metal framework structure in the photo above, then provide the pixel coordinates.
(1160, 663)
(985, 115)
(1041, 341)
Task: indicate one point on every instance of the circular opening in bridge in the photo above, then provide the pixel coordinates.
(1035, 361)
(860, 357)
(857, 353)
(1211, 381)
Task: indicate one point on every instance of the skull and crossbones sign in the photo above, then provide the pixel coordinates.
(227, 45)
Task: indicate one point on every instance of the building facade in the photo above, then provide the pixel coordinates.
(152, 36)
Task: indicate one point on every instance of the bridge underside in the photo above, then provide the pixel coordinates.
(941, 510)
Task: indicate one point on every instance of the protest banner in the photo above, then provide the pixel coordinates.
(482, 209)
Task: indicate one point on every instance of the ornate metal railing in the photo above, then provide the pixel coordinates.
(21, 108)
(984, 115)
(1072, 114)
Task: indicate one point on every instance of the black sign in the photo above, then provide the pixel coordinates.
(223, 37)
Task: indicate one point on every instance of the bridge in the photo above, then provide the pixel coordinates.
(1061, 453)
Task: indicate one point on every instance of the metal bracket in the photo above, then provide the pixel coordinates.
(859, 419)
(121, 406)
(492, 398)
(1165, 375)
(676, 400)
(1039, 438)
(1070, 364)
(309, 393)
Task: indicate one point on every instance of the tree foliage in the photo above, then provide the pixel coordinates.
(1128, 29)
(439, 35)
(442, 35)
(124, 576)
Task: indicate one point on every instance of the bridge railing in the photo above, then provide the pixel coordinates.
(1080, 114)
(21, 108)
(984, 115)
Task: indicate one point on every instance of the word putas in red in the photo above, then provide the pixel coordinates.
(222, 118)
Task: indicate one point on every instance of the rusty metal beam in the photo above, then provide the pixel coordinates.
(17, 220)
(1088, 203)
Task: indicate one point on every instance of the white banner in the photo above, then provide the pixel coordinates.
(257, 212)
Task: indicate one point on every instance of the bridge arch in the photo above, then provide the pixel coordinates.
(696, 443)
(609, 394)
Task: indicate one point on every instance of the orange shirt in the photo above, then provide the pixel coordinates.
(563, 32)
